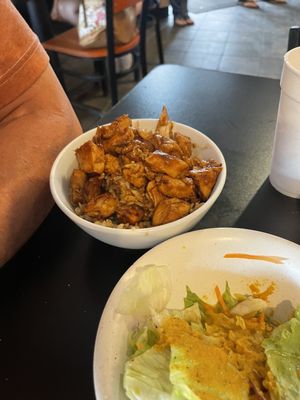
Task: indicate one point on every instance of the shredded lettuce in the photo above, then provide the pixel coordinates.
(229, 300)
(189, 314)
(141, 340)
(192, 298)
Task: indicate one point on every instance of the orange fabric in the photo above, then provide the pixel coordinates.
(22, 60)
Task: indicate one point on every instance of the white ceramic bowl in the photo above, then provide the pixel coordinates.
(196, 259)
(134, 238)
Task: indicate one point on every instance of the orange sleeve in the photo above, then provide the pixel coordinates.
(23, 58)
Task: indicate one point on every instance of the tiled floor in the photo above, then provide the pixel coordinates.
(232, 39)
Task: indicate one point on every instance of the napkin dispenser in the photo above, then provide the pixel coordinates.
(285, 166)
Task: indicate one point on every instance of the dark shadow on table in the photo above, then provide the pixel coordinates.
(272, 212)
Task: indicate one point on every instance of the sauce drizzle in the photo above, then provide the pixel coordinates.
(271, 259)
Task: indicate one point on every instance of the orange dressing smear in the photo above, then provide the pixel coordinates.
(271, 259)
(262, 295)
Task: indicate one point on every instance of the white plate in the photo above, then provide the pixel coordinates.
(196, 259)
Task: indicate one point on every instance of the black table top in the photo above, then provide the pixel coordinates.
(53, 291)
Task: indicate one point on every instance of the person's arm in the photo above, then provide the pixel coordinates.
(33, 129)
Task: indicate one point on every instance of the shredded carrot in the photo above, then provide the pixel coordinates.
(265, 294)
(209, 308)
(254, 288)
(221, 300)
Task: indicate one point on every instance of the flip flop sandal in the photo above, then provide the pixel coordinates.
(249, 4)
(189, 21)
(180, 22)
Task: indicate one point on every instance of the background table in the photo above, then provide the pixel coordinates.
(53, 291)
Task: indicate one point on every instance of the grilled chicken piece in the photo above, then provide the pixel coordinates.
(102, 133)
(198, 163)
(162, 143)
(92, 188)
(169, 210)
(100, 207)
(90, 158)
(154, 193)
(134, 173)
(131, 214)
(205, 178)
(77, 182)
(123, 122)
(112, 165)
(107, 131)
(180, 188)
(164, 125)
(184, 142)
(146, 135)
(166, 164)
(166, 145)
(120, 142)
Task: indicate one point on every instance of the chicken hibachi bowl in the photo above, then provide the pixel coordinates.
(135, 183)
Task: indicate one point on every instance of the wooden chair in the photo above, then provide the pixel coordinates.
(67, 43)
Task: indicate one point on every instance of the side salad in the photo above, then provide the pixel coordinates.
(231, 350)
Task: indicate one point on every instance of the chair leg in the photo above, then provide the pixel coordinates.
(113, 81)
(155, 16)
(143, 60)
(137, 69)
(143, 28)
(99, 67)
(158, 37)
(111, 52)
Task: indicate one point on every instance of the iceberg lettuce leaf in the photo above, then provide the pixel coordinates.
(190, 314)
(282, 349)
(148, 289)
(147, 376)
(191, 298)
(141, 340)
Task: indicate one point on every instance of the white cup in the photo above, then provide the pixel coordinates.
(285, 167)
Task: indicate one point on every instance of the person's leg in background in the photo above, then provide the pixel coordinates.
(185, 13)
(180, 11)
(177, 12)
